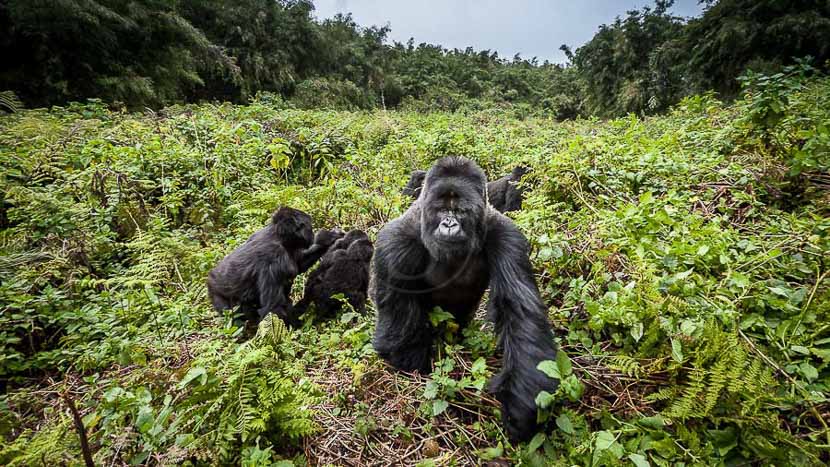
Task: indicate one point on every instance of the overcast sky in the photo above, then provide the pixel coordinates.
(530, 27)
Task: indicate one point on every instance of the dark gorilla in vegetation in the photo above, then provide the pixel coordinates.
(446, 250)
(503, 194)
(413, 186)
(257, 276)
(344, 269)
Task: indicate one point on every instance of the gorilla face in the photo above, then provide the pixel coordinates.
(293, 227)
(452, 209)
(518, 172)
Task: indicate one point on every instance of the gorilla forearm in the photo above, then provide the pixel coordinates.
(402, 333)
(310, 256)
(272, 284)
(524, 333)
(323, 241)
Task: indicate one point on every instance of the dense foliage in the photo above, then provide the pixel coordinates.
(153, 53)
(684, 259)
(650, 59)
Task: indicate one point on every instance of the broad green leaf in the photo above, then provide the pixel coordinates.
(676, 350)
(573, 388)
(193, 374)
(438, 316)
(145, 419)
(656, 422)
(780, 291)
(550, 368)
(536, 442)
(479, 366)
(808, 371)
(438, 407)
(430, 390)
(800, 349)
(604, 440)
(637, 331)
(489, 454)
(684, 274)
(688, 327)
(564, 424)
(563, 362)
(544, 399)
(823, 354)
(639, 460)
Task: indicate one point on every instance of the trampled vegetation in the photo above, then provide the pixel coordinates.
(684, 259)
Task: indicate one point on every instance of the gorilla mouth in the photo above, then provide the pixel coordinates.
(450, 237)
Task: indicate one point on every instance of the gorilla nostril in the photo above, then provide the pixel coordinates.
(449, 222)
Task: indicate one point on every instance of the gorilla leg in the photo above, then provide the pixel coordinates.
(247, 304)
(272, 282)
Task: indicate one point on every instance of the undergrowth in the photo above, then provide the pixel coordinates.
(684, 258)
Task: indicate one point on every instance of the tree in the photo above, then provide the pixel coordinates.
(628, 65)
(138, 52)
(735, 35)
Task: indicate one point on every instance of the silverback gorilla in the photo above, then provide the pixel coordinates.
(344, 269)
(257, 276)
(446, 250)
(503, 193)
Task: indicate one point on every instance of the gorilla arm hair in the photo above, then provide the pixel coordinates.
(402, 335)
(521, 324)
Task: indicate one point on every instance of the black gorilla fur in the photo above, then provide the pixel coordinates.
(413, 186)
(257, 276)
(446, 250)
(503, 193)
(344, 269)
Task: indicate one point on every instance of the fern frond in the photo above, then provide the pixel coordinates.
(10, 102)
(272, 330)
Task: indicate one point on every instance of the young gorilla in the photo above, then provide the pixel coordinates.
(445, 251)
(257, 276)
(503, 194)
(413, 186)
(344, 269)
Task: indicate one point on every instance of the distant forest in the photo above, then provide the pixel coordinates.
(152, 53)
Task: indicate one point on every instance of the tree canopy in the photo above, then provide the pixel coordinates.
(150, 53)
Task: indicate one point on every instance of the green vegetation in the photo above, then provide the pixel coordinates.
(684, 259)
(151, 53)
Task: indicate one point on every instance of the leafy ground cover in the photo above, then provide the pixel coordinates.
(684, 259)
